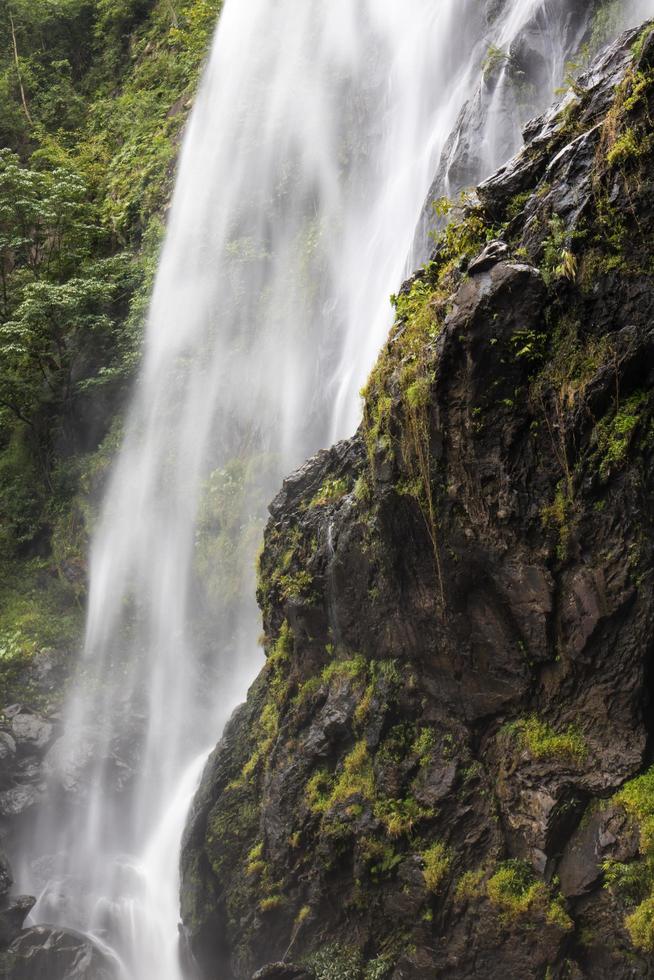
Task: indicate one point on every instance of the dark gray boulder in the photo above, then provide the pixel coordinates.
(48, 953)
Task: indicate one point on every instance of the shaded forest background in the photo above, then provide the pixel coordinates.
(93, 98)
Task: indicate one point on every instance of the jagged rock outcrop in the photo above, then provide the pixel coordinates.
(443, 770)
(46, 953)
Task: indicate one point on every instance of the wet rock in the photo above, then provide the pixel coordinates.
(13, 913)
(6, 876)
(494, 252)
(461, 674)
(30, 729)
(7, 746)
(282, 971)
(46, 953)
(17, 800)
(604, 834)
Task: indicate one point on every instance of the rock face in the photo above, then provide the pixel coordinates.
(44, 953)
(442, 770)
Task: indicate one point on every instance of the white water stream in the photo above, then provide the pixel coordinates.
(309, 154)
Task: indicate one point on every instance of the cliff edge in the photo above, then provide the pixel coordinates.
(443, 770)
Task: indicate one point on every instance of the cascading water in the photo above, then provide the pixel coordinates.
(310, 152)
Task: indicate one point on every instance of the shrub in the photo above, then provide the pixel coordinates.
(543, 742)
(437, 860)
(640, 925)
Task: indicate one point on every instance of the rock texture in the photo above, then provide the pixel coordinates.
(44, 953)
(443, 770)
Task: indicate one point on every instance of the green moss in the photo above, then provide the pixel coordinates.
(255, 864)
(230, 828)
(469, 886)
(277, 691)
(513, 888)
(543, 742)
(517, 204)
(302, 916)
(282, 648)
(362, 489)
(629, 145)
(335, 671)
(338, 669)
(633, 883)
(558, 515)
(296, 585)
(424, 745)
(331, 491)
(379, 856)
(437, 860)
(517, 892)
(271, 902)
(640, 925)
(318, 791)
(356, 777)
(614, 434)
(557, 914)
(400, 817)
(637, 798)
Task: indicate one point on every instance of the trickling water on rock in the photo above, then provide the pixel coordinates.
(309, 155)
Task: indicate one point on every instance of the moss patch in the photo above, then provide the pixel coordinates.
(543, 742)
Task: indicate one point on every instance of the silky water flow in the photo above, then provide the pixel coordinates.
(298, 208)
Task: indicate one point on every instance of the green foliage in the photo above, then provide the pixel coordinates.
(400, 817)
(627, 146)
(93, 94)
(543, 742)
(615, 433)
(37, 608)
(559, 262)
(424, 745)
(640, 925)
(637, 798)
(271, 902)
(632, 883)
(517, 892)
(469, 886)
(436, 860)
(331, 491)
(38, 614)
(334, 961)
(378, 968)
(355, 778)
(529, 346)
(558, 515)
(380, 857)
(296, 585)
(494, 61)
(318, 791)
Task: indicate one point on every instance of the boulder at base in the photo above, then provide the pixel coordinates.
(48, 953)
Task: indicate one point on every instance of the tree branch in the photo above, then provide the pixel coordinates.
(20, 79)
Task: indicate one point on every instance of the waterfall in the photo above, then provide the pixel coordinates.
(309, 155)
